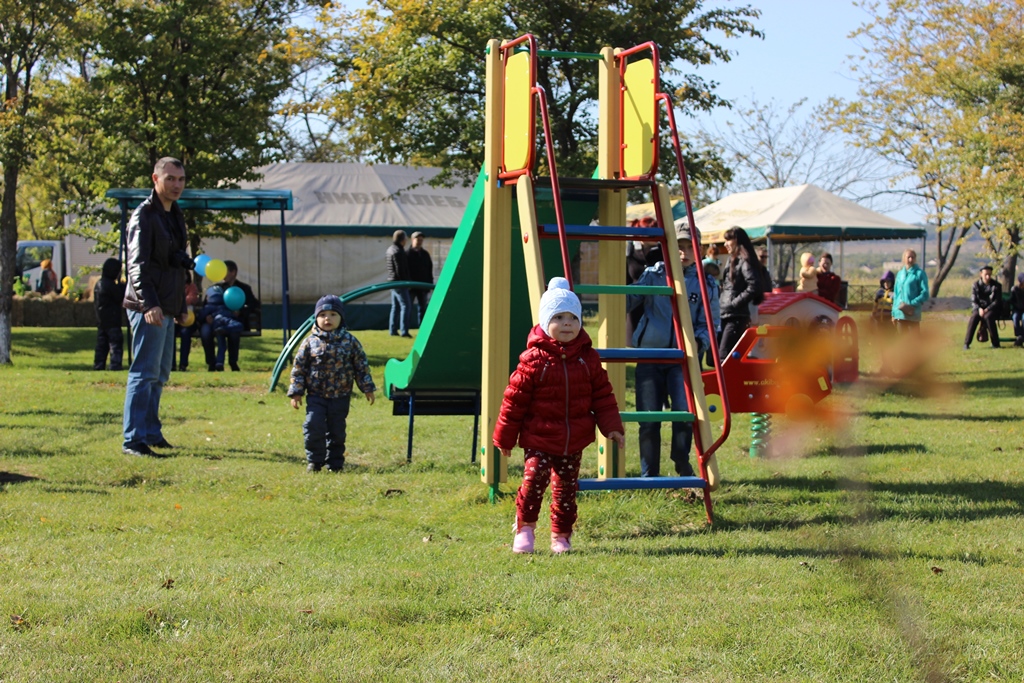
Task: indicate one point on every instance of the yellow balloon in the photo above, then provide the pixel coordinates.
(190, 317)
(216, 270)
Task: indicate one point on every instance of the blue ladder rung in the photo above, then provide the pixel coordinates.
(657, 416)
(624, 483)
(603, 231)
(641, 354)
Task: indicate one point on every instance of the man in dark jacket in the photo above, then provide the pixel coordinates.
(398, 269)
(107, 297)
(986, 298)
(155, 297)
(421, 269)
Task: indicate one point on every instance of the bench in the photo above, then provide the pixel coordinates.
(413, 402)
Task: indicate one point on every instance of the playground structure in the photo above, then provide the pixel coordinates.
(628, 148)
(460, 363)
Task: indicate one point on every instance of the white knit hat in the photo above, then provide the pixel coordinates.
(558, 299)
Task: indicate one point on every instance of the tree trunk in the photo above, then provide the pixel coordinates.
(947, 256)
(8, 250)
(1009, 267)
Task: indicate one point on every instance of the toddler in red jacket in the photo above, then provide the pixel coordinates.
(557, 395)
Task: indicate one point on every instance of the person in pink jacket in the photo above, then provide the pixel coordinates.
(557, 395)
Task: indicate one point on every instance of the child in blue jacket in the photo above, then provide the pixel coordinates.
(661, 383)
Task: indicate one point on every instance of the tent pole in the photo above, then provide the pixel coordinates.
(842, 257)
(285, 320)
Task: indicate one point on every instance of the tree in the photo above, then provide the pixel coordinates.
(31, 35)
(411, 86)
(195, 79)
(941, 97)
(770, 147)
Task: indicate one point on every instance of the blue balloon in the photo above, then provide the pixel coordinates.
(234, 298)
(201, 262)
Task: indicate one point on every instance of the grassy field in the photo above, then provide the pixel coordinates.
(881, 543)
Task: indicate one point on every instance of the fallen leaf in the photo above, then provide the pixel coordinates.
(306, 611)
(168, 584)
(19, 622)
(177, 507)
(393, 492)
(43, 519)
(427, 538)
(937, 570)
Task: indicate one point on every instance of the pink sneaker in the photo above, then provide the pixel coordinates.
(560, 545)
(523, 542)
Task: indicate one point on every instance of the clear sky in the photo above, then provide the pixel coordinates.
(803, 53)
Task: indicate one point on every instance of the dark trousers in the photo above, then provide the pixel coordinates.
(187, 333)
(989, 320)
(732, 330)
(225, 341)
(658, 384)
(108, 339)
(324, 430)
(421, 297)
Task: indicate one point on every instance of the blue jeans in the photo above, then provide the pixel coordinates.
(656, 385)
(153, 354)
(401, 309)
(1018, 323)
(229, 340)
(324, 430)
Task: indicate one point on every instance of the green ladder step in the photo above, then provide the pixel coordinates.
(636, 290)
(657, 416)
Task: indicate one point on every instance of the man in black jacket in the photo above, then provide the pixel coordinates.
(421, 269)
(986, 298)
(155, 297)
(398, 269)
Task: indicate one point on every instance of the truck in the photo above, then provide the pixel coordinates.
(70, 256)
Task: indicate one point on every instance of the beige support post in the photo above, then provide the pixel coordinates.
(531, 243)
(497, 252)
(702, 423)
(611, 258)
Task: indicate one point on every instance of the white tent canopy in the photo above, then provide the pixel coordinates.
(341, 225)
(804, 213)
(351, 196)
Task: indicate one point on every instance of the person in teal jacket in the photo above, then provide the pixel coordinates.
(909, 294)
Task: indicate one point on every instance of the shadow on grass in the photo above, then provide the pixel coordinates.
(61, 417)
(996, 385)
(906, 415)
(857, 451)
(963, 500)
(15, 478)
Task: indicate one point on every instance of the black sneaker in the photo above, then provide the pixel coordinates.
(141, 450)
(314, 467)
(219, 367)
(211, 368)
(162, 443)
(234, 367)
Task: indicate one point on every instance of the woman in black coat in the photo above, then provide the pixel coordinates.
(740, 288)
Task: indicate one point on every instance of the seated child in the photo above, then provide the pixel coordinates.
(328, 363)
(226, 325)
(557, 395)
(808, 274)
(881, 313)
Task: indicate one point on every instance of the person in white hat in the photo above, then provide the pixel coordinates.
(557, 395)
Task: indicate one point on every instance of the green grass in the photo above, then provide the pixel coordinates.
(819, 566)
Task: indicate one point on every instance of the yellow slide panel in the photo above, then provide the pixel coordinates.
(518, 143)
(639, 119)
